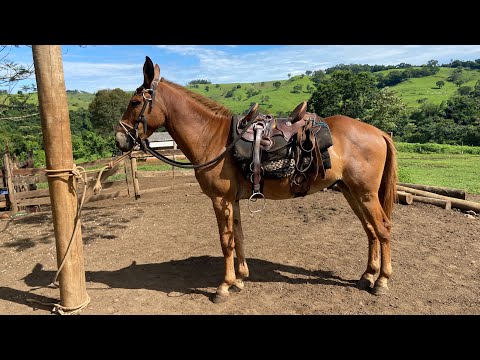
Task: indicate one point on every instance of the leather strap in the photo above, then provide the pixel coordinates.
(257, 164)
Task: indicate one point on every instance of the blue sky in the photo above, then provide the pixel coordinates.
(97, 67)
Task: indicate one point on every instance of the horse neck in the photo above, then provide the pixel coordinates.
(199, 133)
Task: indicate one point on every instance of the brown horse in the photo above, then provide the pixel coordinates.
(363, 162)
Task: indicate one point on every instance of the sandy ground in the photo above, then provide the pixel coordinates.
(161, 255)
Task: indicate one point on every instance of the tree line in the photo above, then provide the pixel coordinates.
(455, 121)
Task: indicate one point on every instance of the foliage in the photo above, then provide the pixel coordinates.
(199, 81)
(386, 110)
(107, 108)
(344, 93)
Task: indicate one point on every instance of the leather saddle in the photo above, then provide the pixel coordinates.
(296, 146)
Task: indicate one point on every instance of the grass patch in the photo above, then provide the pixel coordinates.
(449, 170)
(431, 148)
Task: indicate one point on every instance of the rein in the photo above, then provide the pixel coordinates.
(144, 143)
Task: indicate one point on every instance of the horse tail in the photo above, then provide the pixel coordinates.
(388, 188)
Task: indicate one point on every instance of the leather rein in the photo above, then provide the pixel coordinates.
(144, 143)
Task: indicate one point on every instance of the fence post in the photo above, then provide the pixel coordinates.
(129, 175)
(8, 179)
(55, 120)
(136, 188)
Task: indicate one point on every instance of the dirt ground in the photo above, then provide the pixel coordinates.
(161, 255)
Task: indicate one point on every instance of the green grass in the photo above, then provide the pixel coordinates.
(414, 89)
(429, 148)
(449, 170)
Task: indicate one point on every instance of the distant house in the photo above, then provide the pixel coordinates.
(161, 140)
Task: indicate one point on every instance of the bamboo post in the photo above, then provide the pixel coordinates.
(173, 167)
(8, 179)
(404, 198)
(129, 175)
(136, 188)
(454, 193)
(456, 203)
(52, 98)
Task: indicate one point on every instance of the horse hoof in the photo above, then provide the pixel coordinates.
(235, 289)
(364, 284)
(379, 290)
(218, 299)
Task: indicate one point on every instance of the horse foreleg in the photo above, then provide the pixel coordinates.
(224, 213)
(373, 266)
(375, 216)
(242, 270)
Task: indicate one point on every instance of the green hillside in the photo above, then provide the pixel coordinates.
(76, 100)
(279, 100)
(282, 99)
(415, 89)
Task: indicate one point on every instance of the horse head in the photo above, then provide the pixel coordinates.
(145, 112)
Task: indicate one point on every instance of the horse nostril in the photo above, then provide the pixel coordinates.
(117, 144)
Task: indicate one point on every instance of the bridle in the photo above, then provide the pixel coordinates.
(144, 143)
(149, 99)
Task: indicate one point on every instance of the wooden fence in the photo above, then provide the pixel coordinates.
(18, 182)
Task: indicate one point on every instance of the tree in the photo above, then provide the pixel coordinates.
(432, 63)
(289, 75)
(464, 90)
(318, 76)
(107, 108)
(297, 89)
(265, 99)
(277, 84)
(385, 110)
(199, 81)
(207, 88)
(308, 72)
(440, 84)
(11, 74)
(344, 93)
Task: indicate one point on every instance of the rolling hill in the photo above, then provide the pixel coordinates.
(284, 98)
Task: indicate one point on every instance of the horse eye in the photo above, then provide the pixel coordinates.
(135, 103)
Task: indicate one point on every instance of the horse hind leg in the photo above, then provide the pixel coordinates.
(375, 216)
(373, 266)
(242, 269)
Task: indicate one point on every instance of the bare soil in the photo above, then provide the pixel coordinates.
(161, 255)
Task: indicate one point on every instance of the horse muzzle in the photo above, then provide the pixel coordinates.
(123, 141)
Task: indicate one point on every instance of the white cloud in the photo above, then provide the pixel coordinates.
(225, 64)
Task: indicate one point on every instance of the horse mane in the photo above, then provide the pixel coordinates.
(202, 100)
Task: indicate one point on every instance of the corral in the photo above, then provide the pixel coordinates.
(160, 254)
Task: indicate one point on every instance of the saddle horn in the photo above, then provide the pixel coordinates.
(299, 112)
(251, 113)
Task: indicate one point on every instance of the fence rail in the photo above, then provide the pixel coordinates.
(20, 183)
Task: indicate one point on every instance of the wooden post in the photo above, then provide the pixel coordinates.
(8, 179)
(173, 167)
(52, 98)
(136, 188)
(129, 175)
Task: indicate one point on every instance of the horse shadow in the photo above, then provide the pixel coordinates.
(193, 275)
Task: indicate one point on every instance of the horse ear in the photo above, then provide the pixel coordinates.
(251, 113)
(148, 72)
(156, 72)
(299, 112)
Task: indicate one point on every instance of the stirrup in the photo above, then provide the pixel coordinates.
(253, 198)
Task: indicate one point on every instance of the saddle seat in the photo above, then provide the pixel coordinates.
(280, 147)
